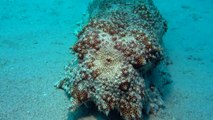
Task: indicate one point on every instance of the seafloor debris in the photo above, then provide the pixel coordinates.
(120, 43)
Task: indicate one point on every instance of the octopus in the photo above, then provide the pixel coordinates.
(120, 43)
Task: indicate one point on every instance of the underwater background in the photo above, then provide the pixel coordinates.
(35, 37)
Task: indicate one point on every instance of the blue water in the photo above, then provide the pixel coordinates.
(35, 37)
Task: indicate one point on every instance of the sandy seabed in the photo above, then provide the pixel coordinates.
(35, 37)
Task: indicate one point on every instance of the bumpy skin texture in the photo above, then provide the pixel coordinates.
(120, 43)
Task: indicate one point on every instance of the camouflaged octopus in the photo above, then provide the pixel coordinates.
(118, 45)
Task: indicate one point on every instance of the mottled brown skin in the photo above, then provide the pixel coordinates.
(121, 38)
